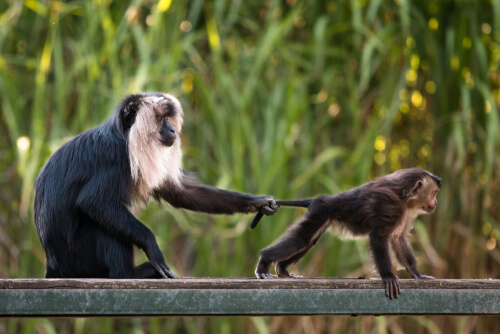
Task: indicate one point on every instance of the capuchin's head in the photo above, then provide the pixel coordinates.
(419, 188)
(151, 124)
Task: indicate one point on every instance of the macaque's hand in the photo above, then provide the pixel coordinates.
(156, 259)
(265, 205)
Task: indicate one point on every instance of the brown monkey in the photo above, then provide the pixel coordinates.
(383, 209)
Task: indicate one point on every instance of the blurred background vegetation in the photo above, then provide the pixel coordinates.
(287, 98)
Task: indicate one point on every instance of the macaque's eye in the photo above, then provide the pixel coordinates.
(159, 118)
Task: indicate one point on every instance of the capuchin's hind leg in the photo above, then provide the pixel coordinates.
(281, 267)
(283, 249)
(293, 245)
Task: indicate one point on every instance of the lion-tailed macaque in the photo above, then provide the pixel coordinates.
(84, 191)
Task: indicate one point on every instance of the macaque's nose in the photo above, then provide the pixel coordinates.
(167, 134)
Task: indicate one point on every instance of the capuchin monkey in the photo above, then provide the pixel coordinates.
(84, 192)
(383, 210)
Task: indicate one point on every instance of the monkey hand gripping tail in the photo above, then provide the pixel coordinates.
(84, 191)
(383, 210)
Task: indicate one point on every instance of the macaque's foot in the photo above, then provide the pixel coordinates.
(425, 277)
(148, 270)
(392, 288)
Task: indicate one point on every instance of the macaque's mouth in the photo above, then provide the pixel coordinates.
(167, 142)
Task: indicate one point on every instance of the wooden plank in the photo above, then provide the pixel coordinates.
(244, 283)
(196, 297)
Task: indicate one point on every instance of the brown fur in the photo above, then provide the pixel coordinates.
(383, 209)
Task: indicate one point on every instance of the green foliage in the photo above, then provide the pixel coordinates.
(285, 98)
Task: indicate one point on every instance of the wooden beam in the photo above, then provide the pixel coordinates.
(241, 296)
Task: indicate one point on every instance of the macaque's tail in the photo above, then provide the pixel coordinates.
(303, 203)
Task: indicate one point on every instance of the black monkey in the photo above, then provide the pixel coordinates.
(84, 190)
(383, 209)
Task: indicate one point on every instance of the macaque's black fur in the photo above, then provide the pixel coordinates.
(376, 209)
(84, 190)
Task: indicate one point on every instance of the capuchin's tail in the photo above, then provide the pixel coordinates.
(303, 203)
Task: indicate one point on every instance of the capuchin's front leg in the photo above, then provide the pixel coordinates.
(379, 246)
(405, 257)
(198, 197)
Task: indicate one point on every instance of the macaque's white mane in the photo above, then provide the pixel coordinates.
(152, 164)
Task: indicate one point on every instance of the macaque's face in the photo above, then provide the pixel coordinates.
(154, 143)
(162, 114)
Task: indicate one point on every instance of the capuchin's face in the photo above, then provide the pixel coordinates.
(424, 198)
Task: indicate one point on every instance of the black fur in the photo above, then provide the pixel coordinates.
(374, 209)
(82, 197)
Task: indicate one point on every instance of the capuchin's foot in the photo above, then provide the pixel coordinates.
(282, 272)
(262, 270)
(426, 277)
(265, 275)
(289, 275)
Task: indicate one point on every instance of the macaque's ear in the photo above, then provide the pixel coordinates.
(128, 114)
(416, 188)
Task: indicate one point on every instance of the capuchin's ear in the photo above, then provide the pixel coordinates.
(418, 185)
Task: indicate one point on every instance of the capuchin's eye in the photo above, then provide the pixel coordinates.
(158, 118)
